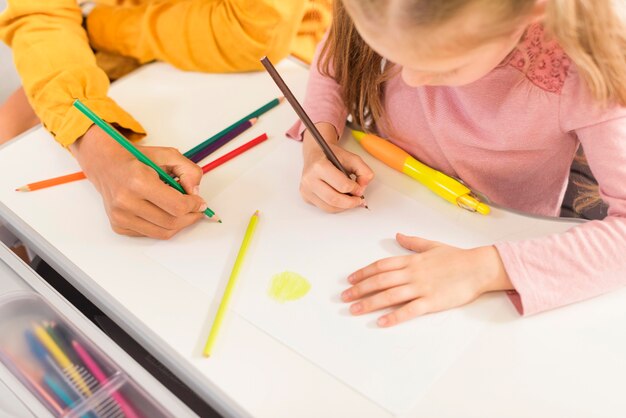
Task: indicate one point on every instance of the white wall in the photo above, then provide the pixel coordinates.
(9, 80)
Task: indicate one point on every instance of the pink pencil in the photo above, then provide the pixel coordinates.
(95, 370)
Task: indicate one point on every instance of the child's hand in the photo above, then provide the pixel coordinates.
(438, 277)
(136, 200)
(325, 186)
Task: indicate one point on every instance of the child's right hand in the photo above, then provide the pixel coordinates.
(136, 200)
(325, 186)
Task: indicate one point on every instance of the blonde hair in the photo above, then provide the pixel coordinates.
(591, 33)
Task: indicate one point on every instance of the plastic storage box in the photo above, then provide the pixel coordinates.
(69, 375)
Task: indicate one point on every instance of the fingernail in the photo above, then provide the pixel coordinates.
(346, 295)
(351, 278)
(196, 190)
(356, 308)
(203, 207)
(383, 321)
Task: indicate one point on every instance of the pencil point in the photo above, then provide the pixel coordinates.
(254, 120)
(23, 189)
(281, 99)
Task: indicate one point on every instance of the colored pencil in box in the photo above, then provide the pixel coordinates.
(20, 372)
(61, 358)
(113, 133)
(237, 151)
(225, 139)
(257, 113)
(97, 372)
(52, 329)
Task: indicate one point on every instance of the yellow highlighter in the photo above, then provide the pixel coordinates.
(445, 186)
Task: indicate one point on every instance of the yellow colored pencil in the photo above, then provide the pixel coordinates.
(60, 357)
(221, 311)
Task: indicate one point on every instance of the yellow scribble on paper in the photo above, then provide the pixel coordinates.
(288, 286)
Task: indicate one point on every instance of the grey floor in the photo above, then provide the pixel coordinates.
(9, 80)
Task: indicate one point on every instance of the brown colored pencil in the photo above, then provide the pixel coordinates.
(303, 116)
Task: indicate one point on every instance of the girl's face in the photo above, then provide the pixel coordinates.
(434, 57)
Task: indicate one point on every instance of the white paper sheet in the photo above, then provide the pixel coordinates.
(393, 367)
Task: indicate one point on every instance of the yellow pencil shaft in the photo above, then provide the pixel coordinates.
(221, 311)
(443, 185)
(60, 357)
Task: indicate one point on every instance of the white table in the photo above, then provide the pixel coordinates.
(569, 362)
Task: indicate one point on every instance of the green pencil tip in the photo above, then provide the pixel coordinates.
(220, 221)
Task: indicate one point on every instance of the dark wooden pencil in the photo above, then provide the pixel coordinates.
(302, 115)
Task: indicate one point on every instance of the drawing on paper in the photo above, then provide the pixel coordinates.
(288, 286)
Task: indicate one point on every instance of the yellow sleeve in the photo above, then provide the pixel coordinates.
(199, 35)
(315, 23)
(57, 66)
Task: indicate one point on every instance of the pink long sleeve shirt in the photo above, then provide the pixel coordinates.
(513, 135)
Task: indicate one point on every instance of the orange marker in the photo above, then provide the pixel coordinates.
(445, 186)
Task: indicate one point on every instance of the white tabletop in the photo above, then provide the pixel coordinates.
(568, 362)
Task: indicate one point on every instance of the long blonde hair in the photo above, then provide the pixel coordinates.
(592, 34)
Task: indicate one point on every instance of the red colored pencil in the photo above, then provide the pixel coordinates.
(226, 157)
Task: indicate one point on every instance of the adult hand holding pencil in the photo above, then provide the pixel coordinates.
(136, 199)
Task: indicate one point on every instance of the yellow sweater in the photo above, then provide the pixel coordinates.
(53, 54)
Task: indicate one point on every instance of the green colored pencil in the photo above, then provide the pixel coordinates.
(221, 311)
(263, 109)
(114, 133)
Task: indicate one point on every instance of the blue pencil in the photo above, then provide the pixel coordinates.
(56, 388)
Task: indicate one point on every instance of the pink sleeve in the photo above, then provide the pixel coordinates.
(589, 259)
(323, 101)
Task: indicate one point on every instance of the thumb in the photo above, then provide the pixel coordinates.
(189, 174)
(364, 175)
(190, 180)
(177, 165)
(416, 244)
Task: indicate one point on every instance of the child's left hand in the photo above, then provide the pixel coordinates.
(436, 278)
